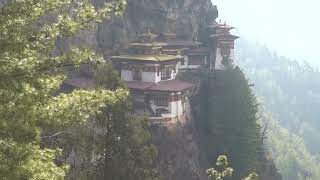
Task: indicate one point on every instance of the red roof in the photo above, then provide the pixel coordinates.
(224, 36)
(181, 43)
(81, 82)
(170, 85)
(139, 85)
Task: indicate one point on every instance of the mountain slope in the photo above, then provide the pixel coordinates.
(290, 96)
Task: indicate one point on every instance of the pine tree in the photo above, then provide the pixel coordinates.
(30, 75)
(228, 119)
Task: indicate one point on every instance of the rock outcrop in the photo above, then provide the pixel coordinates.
(186, 18)
(179, 146)
(179, 149)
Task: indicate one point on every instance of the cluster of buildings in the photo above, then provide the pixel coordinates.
(150, 66)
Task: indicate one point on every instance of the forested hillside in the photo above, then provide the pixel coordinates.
(289, 93)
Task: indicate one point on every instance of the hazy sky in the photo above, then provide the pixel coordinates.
(291, 27)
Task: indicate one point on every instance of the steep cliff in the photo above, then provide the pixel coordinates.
(180, 154)
(179, 146)
(183, 17)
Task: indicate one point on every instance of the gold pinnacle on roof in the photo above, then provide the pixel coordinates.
(220, 26)
(222, 31)
(147, 37)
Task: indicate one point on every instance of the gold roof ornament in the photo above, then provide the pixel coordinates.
(147, 37)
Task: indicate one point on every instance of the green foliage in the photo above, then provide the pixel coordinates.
(289, 151)
(114, 145)
(105, 76)
(225, 171)
(30, 75)
(228, 115)
(251, 176)
(289, 93)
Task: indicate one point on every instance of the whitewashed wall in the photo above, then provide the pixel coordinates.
(218, 63)
(176, 108)
(126, 75)
(158, 78)
(149, 76)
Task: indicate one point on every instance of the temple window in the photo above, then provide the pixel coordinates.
(136, 74)
(182, 61)
(165, 73)
(196, 60)
(161, 100)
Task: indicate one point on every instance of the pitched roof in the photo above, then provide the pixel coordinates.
(224, 36)
(216, 25)
(169, 86)
(147, 45)
(138, 85)
(182, 43)
(145, 57)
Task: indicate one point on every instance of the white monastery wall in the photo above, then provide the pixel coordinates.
(157, 78)
(218, 63)
(176, 107)
(126, 75)
(149, 76)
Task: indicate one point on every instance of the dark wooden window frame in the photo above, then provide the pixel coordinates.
(136, 74)
(166, 73)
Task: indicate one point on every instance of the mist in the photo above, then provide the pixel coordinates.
(288, 27)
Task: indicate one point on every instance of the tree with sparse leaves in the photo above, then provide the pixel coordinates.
(31, 74)
(223, 170)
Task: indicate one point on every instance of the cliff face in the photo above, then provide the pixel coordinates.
(179, 150)
(183, 17)
(179, 146)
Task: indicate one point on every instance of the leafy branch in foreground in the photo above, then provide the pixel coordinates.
(223, 170)
(31, 74)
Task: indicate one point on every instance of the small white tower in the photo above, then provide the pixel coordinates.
(223, 55)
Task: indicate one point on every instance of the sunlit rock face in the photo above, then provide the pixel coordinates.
(183, 17)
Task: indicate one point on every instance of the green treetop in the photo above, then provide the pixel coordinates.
(228, 119)
(30, 75)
